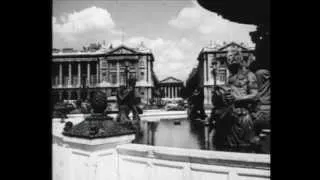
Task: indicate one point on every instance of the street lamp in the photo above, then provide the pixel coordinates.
(126, 71)
(83, 86)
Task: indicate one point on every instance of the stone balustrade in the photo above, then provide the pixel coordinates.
(153, 162)
(143, 162)
(115, 158)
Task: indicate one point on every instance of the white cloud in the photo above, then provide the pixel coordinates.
(206, 22)
(172, 58)
(77, 26)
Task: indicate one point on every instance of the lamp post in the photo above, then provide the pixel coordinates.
(83, 85)
(126, 71)
(207, 123)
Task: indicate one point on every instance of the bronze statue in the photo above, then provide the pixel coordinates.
(196, 104)
(127, 102)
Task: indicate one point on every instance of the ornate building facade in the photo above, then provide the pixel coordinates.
(77, 75)
(217, 55)
(171, 87)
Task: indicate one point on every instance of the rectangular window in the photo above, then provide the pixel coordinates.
(222, 74)
(141, 63)
(121, 64)
(141, 75)
(104, 64)
(122, 78)
(113, 65)
(113, 77)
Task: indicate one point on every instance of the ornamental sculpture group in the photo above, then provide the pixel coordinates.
(128, 103)
(241, 106)
(100, 125)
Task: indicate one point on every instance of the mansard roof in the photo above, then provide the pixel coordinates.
(170, 80)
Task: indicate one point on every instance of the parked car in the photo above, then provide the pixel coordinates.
(173, 106)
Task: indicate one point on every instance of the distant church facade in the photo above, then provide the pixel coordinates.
(171, 88)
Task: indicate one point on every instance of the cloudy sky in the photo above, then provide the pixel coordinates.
(175, 30)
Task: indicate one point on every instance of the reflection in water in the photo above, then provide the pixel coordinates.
(168, 132)
(187, 134)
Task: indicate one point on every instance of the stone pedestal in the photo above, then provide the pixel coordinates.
(87, 150)
(84, 159)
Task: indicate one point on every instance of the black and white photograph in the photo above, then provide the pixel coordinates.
(160, 89)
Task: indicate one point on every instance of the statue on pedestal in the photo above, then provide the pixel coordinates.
(98, 124)
(127, 102)
(196, 104)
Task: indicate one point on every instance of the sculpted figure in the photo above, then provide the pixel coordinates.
(196, 104)
(127, 102)
(233, 104)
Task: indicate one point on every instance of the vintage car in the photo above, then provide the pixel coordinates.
(174, 106)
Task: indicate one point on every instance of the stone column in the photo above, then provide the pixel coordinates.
(204, 71)
(79, 74)
(97, 72)
(165, 91)
(88, 74)
(70, 75)
(100, 74)
(173, 95)
(60, 74)
(146, 69)
(150, 93)
(172, 92)
(176, 91)
(147, 91)
(209, 59)
(149, 71)
(118, 73)
(209, 96)
(206, 95)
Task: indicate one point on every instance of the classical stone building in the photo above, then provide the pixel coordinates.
(77, 75)
(171, 87)
(217, 54)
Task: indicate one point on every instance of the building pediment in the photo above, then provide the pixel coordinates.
(122, 50)
(233, 46)
(171, 80)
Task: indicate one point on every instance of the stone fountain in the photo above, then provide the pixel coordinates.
(98, 125)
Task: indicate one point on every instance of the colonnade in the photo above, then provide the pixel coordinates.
(67, 82)
(171, 91)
